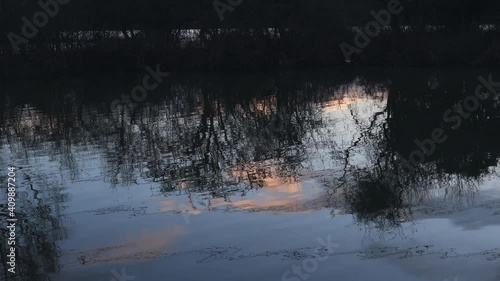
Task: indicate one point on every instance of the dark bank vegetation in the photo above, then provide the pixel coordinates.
(127, 35)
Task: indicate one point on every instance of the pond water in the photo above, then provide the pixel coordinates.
(274, 176)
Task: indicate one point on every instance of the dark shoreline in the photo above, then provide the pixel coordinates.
(475, 49)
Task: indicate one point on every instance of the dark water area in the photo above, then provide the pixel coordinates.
(298, 175)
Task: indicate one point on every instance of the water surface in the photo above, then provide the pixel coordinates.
(238, 176)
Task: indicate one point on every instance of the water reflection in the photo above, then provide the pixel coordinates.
(384, 191)
(246, 143)
(39, 223)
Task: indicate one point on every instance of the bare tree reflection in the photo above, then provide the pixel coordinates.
(385, 192)
(219, 136)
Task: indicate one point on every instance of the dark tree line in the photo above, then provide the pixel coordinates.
(129, 34)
